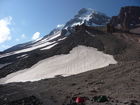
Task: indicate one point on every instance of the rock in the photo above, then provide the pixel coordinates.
(100, 98)
(32, 100)
(128, 18)
(132, 104)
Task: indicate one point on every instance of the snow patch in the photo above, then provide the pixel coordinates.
(48, 47)
(55, 36)
(32, 48)
(28, 49)
(24, 55)
(75, 24)
(5, 55)
(79, 60)
(90, 33)
(40, 44)
(62, 39)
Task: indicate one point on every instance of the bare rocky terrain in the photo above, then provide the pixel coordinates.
(120, 82)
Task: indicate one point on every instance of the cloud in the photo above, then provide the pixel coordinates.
(4, 29)
(60, 25)
(17, 40)
(36, 36)
(23, 36)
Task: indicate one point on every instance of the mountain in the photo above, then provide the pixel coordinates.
(88, 16)
(127, 20)
(72, 61)
(85, 16)
(26, 58)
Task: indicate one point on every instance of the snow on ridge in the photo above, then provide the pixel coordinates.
(55, 36)
(48, 39)
(32, 48)
(84, 16)
(89, 33)
(79, 60)
(26, 49)
(75, 24)
(62, 38)
(24, 55)
(5, 55)
(48, 47)
(87, 14)
(42, 43)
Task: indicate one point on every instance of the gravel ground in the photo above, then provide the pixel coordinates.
(120, 83)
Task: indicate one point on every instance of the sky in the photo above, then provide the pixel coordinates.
(26, 20)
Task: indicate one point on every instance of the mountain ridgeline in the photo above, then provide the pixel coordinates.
(127, 20)
(91, 55)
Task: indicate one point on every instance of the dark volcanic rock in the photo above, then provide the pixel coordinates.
(32, 100)
(100, 98)
(128, 18)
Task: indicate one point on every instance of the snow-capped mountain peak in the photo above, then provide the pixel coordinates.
(57, 29)
(84, 13)
(89, 17)
(85, 16)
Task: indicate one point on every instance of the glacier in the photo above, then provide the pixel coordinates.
(79, 60)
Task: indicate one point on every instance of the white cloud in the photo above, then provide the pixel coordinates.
(36, 36)
(60, 25)
(23, 36)
(4, 29)
(17, 39)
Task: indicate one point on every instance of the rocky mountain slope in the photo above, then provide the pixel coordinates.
(118, 82)
(88, 16)
(103, 42)
(55, 43)
(127, 20)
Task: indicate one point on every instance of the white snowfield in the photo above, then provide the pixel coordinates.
(79, 60)
(48, 47)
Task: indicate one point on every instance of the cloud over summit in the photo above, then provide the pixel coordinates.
(5, 31)
(36, 36)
